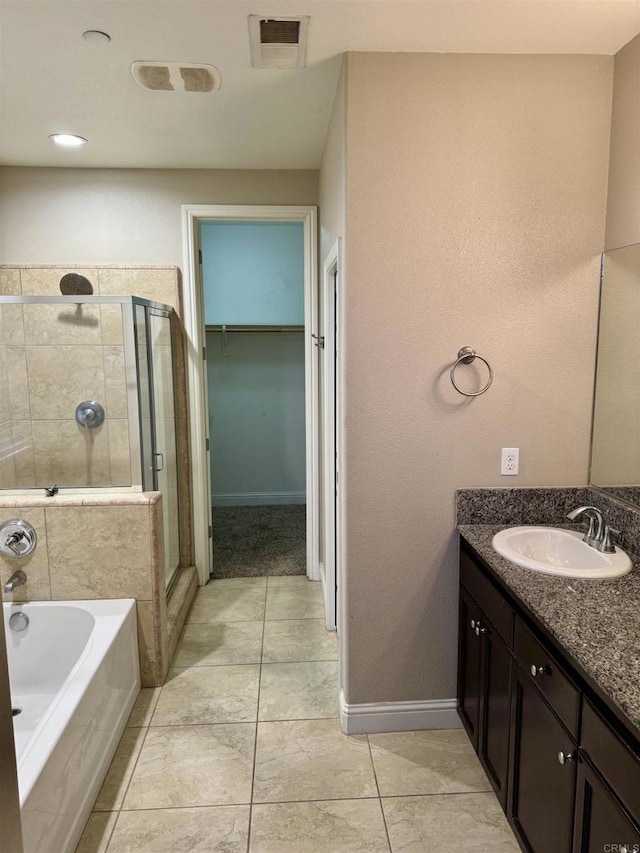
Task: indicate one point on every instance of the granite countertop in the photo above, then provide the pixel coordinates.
(596, 621)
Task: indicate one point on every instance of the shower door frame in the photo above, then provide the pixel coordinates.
(192, 215)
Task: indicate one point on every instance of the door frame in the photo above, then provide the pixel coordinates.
(331, 527)
(193, 315)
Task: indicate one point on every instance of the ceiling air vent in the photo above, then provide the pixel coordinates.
(176, 76)
(278, 42)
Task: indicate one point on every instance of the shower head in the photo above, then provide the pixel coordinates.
(73, 284)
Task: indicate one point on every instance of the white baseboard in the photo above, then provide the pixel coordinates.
(373, 717)
(259, 498)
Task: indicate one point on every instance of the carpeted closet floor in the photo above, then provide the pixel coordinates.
(254, 541)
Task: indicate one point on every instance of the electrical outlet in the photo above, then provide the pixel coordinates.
(510, 460)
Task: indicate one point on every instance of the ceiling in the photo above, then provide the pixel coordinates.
(52, 81)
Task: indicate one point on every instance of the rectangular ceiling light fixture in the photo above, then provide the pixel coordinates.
(278, 42)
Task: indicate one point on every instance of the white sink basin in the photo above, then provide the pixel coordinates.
(563, 553)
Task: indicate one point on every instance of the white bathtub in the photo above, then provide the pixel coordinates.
(74, 674)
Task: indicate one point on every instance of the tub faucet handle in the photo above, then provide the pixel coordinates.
(13, 541)
(17, 538)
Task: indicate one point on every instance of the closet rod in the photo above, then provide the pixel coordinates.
(254, 328)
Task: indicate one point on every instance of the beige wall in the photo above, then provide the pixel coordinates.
(623, 206)
(476, 191)
(123, 216)
(332, 179)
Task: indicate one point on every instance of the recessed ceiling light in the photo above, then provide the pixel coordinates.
(68, 140)
(96, 37)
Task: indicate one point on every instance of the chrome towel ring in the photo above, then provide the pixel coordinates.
(467, 355)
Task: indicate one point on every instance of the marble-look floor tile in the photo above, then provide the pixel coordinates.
(224, 829)
(294, 601)
(119, 773)
(288, 580)
(299, 691)
(294, 640)
(426, 762)
(219, 643)
(311, 760)
(448, 824)
(342, 826)
(144, 707)
(238, 583)
(209, 694)
(228, 604)
(97, 832)
(183, 766)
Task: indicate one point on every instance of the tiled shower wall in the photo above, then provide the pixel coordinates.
(53, 357)
(96, 545)
(101, 457)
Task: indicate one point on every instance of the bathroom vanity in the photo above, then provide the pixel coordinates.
(549, 693)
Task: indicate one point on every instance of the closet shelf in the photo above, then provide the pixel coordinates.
(250, 328)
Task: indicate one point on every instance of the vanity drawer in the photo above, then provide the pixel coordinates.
(554, 684)
(495, 607)
(613, 758)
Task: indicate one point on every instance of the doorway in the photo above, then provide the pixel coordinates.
(252, 276)
(194, 218)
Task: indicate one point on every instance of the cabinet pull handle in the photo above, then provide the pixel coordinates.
(473, 623)
(480, 630)
(564, 757)
(538, 670)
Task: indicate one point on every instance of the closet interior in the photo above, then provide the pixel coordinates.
(253, 282)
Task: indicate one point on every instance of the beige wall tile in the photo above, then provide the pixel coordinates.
(24, 457)
(10, 281)
(159, 285)
(119, 459)
(115, 382)
(177, 613)
(35, 566)
(99, 552)
(150, 675)
(111, 325)
(45, 281)
(11, 325)
(61, 377)
(62, 325)
(14, 381)
(68, 455)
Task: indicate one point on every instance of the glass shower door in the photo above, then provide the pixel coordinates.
(158, 424)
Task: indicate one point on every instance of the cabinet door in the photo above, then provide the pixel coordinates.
(469, 665)
(601, 822)
(542, 788)
(493, 748)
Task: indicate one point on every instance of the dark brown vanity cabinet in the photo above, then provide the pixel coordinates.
(484, 666)
(605, 809)
(567, 779)
(543, 771)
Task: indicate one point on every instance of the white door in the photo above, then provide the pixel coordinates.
(330, 449)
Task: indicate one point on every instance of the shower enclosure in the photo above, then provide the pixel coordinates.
(88, 399)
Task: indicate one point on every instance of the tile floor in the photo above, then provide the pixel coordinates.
(242, 751)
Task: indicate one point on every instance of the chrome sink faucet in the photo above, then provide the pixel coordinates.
(598, 534)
